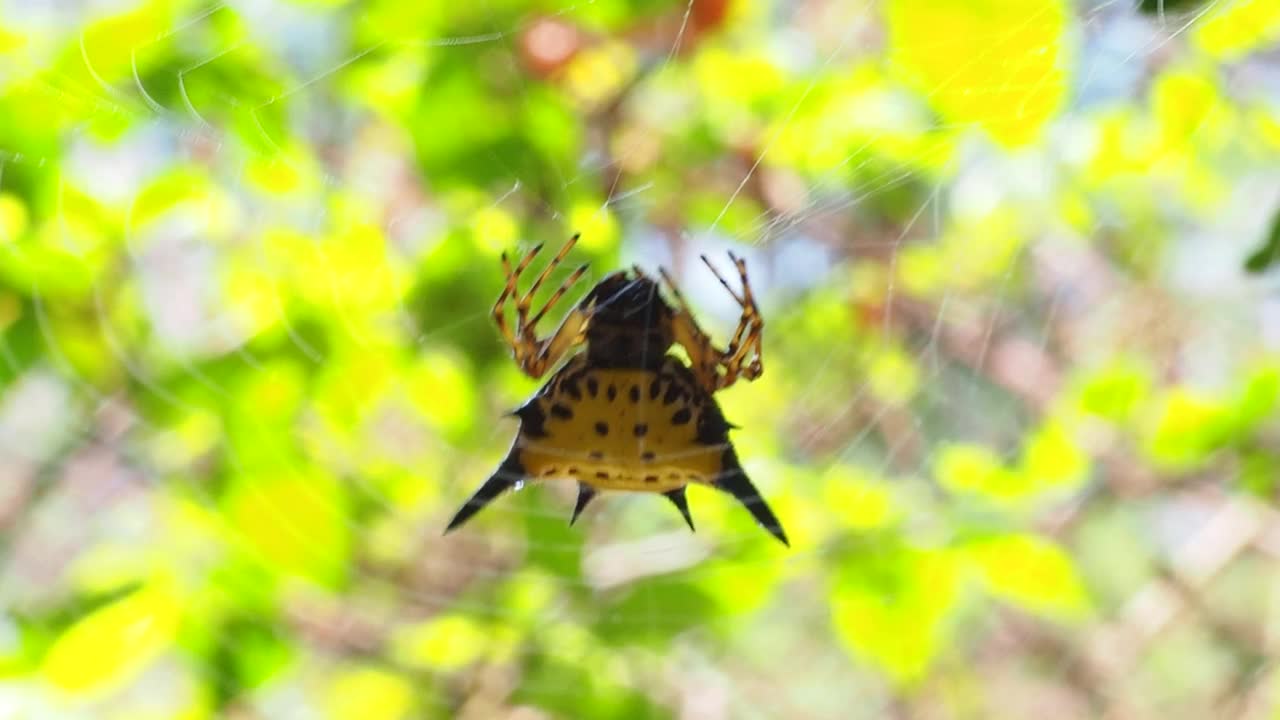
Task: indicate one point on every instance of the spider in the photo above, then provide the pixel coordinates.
(624, 414)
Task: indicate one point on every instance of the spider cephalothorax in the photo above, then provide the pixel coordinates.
(625, 414)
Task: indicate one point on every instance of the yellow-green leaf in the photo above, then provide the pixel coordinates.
(366, 693)
(969, 468)
(891, 610)
(1029, 572)
(859, 501)
(999, 64)
(1233, 29)
(295, 521)
(109, 647)
(447, 642)
(1052, 458)
(1114, 391)
(1189, 427)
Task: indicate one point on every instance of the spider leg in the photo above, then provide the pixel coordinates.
(523, 305)
(718, 369)
(534, 355)
(510, 291)
(704, 355)
(746, 344)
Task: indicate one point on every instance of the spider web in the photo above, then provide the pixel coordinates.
(930, 367)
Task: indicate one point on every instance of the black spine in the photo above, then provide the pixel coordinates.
(585, 493)
(504, 478)
(734, 481)
(677, 498)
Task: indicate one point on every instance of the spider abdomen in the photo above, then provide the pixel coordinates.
(623, 429)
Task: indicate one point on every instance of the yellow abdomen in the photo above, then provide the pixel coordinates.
(622, 429)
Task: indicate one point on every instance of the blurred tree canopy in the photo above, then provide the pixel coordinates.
(1018, 414)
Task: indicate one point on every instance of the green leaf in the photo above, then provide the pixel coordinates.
(1154, 7)
(1029, 572)
(1052, 459)
(294, 521)
(1115, 390)
(113, 644)
(584, 687)
(445, 643)
(998, 64)
(973, 469)
(890, 607)
(1190, 426)
(370, 693)
(655, 610)
(1268, 252)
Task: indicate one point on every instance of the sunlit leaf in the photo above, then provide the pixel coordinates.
(448, 642)
(368, 693)
(109, 44)
(111, 645)
(14, 218)
(974, 469)
(1115, 390)
(1189, 108)
(892, 374)
(295, 521)
(999, 64)
(495, 230)
(596, 75)
(891, 607)
(1258, 398)
(597, 224)
(1052, 458)
(1233, 29)
(441, 388)
(1188, 427)
(1029, 572)
(859, 501)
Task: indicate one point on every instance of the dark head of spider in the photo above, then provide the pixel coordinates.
(630, 322)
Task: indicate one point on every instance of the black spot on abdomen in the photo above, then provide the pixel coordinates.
(672, 394)
(561, 411)
(681, 417)
(602, 428)
(641, 429)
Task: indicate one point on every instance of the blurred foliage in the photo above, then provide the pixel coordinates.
(1019, 414)
(1268, 253)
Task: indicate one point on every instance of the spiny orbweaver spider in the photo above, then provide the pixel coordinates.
(624, 414)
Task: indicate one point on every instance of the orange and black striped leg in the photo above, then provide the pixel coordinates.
(585, 493)
(705, 356)
(734, 481)
(533, 355)
(504, 478)
(746, 345)
(677, 498)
